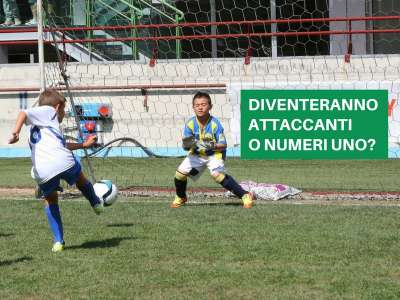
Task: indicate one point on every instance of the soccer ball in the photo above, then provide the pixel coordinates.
(106, 191)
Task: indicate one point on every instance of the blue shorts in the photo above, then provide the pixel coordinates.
(71, 176)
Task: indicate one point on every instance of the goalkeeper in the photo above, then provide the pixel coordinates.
(204, 138)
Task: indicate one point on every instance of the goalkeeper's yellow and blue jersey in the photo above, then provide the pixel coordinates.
(212, 131)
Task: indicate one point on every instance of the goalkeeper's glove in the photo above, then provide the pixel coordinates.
(205, 145)
(188, 143)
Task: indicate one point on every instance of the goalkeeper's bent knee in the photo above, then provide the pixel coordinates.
(219, 177)
(180, 176)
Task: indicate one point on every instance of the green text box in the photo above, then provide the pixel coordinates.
(314, 124)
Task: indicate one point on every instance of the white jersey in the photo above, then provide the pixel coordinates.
(49, 155)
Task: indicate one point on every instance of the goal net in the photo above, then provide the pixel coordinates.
(130, 69)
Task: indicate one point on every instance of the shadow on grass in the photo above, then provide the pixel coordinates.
(107, 243)
(121, 225)
(6, 234)
(9, 262)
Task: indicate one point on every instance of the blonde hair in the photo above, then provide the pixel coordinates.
(51, 97)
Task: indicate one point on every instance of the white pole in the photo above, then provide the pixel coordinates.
(274, 44)
(213, 29)
(41, 44)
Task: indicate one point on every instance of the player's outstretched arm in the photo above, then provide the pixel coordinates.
(91, 141)
(17, 128)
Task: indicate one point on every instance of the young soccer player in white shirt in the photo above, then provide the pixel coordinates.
(52, 158)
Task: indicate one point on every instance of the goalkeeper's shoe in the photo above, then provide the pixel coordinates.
(99, 208)
(58, 247)
(178, 202)
(248, 200)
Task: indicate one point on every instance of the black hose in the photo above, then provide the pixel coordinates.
(133, 141)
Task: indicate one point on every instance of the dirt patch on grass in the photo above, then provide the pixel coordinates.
(319, 198)
(15, 192)
(323, 198)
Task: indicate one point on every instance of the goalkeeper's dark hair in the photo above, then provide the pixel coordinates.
(51, 97)
(202, 95)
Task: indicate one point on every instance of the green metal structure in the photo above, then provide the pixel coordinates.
(93, 13)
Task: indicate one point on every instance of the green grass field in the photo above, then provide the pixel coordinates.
(308, 175)
(144, 250)
(209, 249)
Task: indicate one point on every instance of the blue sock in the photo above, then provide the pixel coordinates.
(55, 222)
(231, 185)
(88, 191)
